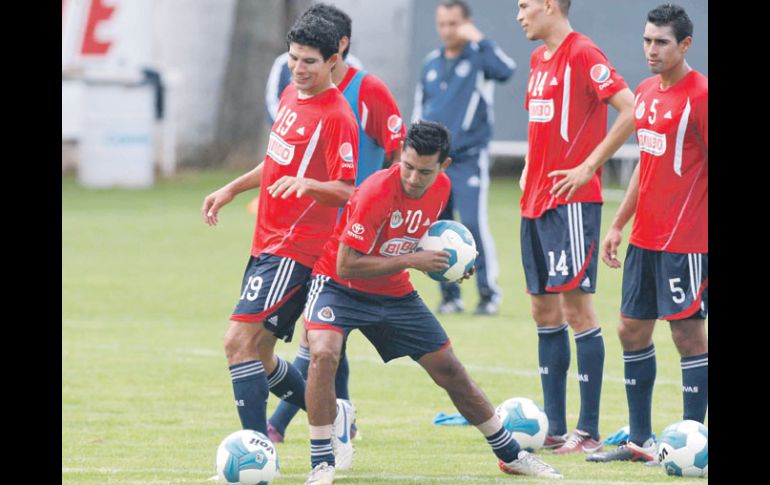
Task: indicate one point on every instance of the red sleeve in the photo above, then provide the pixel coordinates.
(701, 111)
(602, 80)
(340, 143)
(383, 121)
(368, 211)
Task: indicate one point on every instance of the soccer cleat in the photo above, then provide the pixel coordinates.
(554, 441)
(273, 434)
(342, 440)
(486, 307)
(627, 452)
(529, 464)
(579, 442)
(322, 474)
(451, 306)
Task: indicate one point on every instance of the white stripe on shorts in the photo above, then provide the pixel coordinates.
(287, 278)
(274, 283)
(571, 224)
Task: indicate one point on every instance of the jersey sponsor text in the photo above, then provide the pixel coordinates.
(279, 150)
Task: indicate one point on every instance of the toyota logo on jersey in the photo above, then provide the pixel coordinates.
(600, 73)
(394, 123)
(357, 228)
(346, 152)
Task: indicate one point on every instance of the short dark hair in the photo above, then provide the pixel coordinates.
(673, 15)
(429, 137)
(564, 6)
(340, 19)
(466, 9)
(314, 31)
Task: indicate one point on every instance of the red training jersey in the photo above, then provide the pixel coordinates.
(672, 129)
(566, 100)
(381, 220)
(314, 138)
(379, 112)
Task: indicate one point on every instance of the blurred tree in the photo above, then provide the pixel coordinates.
(259, 35)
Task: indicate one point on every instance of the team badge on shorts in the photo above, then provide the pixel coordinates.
(326, 314)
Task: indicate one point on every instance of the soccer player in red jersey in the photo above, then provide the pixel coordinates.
(307, 174)
(361, 282)
(570, 84)
(381, 132)
(666, 270)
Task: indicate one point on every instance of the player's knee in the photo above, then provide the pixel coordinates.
(324, 358)
(449, 374)
(547, 315)
(240, 346)
(236, 351)
(688, 342)
(633, 337)
(579, 321)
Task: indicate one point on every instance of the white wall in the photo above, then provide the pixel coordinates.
(191, 41)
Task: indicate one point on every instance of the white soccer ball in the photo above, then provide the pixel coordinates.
(247, 457)
(525, 420)
(455, 239)
(683, 449)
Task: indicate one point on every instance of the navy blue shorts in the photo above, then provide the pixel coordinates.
(274, 291)
(396, 326)
(658, 285)
(559, 248)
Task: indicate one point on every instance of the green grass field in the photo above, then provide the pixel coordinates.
(147, 289)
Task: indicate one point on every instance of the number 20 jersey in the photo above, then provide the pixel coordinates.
(380, 219)
(315, 138)
(672, 132)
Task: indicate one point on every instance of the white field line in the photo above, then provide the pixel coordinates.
(349, 478)
(489, 369)
(503, 370)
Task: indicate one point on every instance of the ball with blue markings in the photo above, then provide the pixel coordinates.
(683, 449)
(455, 239)
(526, 421)
(247, 457)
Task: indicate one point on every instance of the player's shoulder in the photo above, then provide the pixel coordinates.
(431, 56)
(382, 185)
(699, 83)
(443, 182)
(335, 106)
(537, 53)
(582, 41)
(648, 83)
(583, 46)
(374, 87)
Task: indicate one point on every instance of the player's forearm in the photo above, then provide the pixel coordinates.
(334, 193)
(250, 180)
(619, 132)
(628, 206)
(352, 264)
(494, 62)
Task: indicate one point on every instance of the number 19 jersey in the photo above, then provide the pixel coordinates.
(315, 138)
